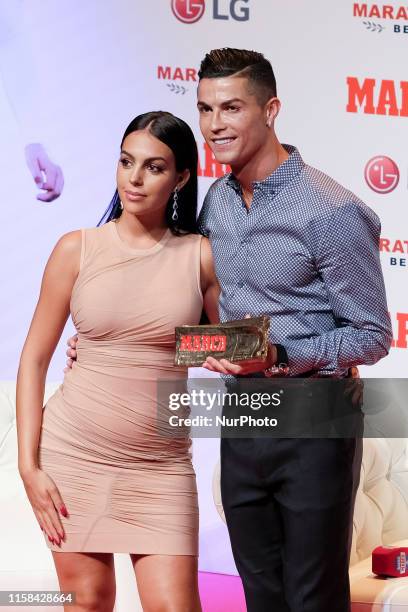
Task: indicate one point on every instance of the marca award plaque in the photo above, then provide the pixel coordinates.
(233, 340)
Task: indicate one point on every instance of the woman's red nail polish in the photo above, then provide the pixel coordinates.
(64, 511)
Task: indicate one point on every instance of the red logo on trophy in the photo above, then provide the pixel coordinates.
(194, 343)
(381, 174)
(188, 11)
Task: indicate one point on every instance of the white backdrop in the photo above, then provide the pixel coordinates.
(74, 73)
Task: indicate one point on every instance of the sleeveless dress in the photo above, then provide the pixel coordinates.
(126, 487)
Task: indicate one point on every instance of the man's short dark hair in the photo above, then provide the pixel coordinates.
(241, 62)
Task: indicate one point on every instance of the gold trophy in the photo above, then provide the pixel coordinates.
(238, 340)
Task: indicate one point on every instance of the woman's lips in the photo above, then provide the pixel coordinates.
(134, 195)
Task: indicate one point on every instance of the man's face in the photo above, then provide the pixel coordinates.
(232, 120)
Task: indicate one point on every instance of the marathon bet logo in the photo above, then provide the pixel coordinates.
(179, 77)
(394, 251)
(377, 17)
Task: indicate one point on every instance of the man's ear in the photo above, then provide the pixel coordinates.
(272, 109)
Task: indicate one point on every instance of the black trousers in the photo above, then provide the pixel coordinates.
(289, 505)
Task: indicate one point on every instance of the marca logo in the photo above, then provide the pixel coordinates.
(393, 249)
(373, 97)
(384, 12)
(211, 167)
(198, 344)
(190, 11)
(401, 328)
(382, 174)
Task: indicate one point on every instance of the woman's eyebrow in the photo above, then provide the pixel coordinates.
(123, 152)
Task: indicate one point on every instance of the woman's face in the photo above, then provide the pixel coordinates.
(146, 174)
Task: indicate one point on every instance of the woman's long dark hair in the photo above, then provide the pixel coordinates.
(178, 136)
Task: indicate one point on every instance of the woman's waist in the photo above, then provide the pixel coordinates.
(122, 383)
(143, 356)
(99, 424)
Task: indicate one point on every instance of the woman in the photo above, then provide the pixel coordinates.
(98, 473)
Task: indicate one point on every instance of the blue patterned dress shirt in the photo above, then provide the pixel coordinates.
(305, 253)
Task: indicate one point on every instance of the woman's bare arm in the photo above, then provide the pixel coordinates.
(209, 282)
(48, 322)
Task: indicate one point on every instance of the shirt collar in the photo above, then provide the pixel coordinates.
(279, 178)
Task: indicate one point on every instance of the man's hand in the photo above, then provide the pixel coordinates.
(71, 352)
(250, 366)
(354, 386)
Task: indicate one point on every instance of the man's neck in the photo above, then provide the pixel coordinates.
(260, 167)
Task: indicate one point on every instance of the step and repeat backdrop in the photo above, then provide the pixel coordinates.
(73, 75)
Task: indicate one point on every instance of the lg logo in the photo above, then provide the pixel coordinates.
(190, 11)
(382, 174)
(237, 9)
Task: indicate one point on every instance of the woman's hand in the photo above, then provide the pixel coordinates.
(46, 501)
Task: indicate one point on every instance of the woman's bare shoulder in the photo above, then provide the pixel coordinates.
(71, 240)
(66, 254)
(69, 244)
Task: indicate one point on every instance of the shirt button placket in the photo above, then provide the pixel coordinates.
(243, 257)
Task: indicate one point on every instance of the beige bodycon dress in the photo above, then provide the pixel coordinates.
(127, 488)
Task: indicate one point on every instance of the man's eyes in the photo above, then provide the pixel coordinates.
(232, 108)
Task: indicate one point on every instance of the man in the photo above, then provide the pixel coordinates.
(290, 242)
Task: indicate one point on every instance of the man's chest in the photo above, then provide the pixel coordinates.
(269, 252)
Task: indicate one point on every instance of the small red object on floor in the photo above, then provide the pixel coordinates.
(390, 561)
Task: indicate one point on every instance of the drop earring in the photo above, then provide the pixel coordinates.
(174, 216)
(120, 205)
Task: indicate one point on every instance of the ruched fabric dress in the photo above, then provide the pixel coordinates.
(126, 486)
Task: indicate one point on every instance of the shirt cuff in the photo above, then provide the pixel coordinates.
(300, 356)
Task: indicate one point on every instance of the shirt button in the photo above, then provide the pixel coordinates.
(240, 284)
(244, 241)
